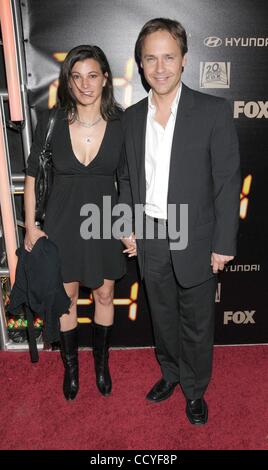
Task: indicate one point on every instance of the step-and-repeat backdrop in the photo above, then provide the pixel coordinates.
(227, 57)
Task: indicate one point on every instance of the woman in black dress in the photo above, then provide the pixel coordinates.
(86, 146)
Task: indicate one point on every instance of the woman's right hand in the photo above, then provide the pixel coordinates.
(130, 244)
(31, 237)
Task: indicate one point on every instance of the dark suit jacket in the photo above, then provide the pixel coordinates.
(39, 287)
(204, 173)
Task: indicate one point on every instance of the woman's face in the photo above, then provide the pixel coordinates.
(87, 82)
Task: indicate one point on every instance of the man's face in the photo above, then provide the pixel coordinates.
(162, 62)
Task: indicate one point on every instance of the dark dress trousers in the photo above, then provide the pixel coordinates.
(205, 175)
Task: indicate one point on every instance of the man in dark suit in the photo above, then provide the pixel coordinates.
(180, 149)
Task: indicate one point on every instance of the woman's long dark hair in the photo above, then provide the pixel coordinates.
(109, 109)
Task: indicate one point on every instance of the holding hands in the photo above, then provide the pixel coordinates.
(130, 244)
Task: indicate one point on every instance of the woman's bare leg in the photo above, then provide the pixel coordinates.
(104, 308)
(68, 321)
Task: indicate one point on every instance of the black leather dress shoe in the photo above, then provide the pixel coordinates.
(197, 411)
(161, 391)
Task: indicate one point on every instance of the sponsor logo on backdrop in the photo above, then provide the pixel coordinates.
(251, 109)
(215, 74)
(215, 41)
(234, 268)
(244, 317)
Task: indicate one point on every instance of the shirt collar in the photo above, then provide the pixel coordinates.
(174, 105)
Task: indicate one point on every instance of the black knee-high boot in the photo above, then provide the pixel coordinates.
(101, 339)
(69, 354)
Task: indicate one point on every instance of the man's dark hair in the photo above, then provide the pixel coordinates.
(161, 24)
(66, 98)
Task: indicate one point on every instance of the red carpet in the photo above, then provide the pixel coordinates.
(34, 414)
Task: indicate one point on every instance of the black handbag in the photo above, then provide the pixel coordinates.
(44, 176)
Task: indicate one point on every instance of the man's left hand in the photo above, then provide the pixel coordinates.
(130, 244)
(218, 261)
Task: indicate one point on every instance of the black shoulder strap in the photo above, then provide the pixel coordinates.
(50, 126)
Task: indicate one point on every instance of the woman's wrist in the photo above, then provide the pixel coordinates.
(29, 225)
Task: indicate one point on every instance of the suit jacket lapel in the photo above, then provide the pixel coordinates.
(140, 134)
(185, 106)
(184, 110)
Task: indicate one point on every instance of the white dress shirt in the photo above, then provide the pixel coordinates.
(158, 145)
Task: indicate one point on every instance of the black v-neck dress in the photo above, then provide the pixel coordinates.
(86, 261)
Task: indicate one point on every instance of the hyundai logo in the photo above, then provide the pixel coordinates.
(213, 41)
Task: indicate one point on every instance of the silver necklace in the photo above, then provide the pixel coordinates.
(87, 124)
